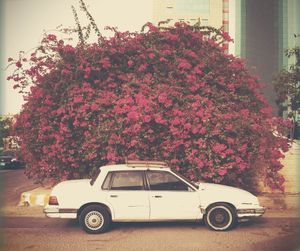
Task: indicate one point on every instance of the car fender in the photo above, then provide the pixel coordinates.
(215, 193)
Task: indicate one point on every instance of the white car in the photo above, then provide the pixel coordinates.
(148, 191)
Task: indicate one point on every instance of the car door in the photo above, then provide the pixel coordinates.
(171, 198)
(127, 195)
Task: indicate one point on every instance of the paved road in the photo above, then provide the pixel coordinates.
(41, 234)
(13, 183)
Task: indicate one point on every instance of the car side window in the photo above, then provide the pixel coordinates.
(106, 182)
(127, 180)
(165, 181)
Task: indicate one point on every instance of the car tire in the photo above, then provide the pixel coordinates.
(94, 219)
(220, 217)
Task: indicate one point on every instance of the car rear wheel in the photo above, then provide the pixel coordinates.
(220, 217)
(94, 219)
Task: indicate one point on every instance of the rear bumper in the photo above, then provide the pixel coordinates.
(54, 212)
(250, 212)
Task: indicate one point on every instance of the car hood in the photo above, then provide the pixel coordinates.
(218, 187)
(226, 193)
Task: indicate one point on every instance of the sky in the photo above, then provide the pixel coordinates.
(23, 23)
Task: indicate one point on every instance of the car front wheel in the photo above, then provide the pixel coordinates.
(220, 217)
(94, 219)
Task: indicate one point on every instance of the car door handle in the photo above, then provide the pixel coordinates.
(157, 196)
(114, 196)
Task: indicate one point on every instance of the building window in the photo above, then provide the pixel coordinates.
(204, 21)
(192, 6)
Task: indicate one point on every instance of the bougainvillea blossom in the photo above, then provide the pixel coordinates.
(163, 94)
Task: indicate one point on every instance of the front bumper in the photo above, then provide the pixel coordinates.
(250, 212)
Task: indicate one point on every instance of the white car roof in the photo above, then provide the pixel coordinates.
(125, 167)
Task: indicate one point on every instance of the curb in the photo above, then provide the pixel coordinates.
(280, 202)
(35, 197)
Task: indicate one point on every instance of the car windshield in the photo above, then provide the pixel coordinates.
(187, 180)
(95, 176)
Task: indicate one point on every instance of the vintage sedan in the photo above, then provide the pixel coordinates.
(148, 191)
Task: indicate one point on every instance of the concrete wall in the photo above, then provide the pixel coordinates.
(291, 170)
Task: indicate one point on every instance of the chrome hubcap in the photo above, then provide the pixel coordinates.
(94, 220)
(220, 218)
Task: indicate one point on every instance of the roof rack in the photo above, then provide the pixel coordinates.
(147, 163)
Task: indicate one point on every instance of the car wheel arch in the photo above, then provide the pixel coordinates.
(220, 202)
(94, 204)
(225, 206)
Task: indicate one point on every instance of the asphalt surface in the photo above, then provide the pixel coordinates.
(13, 183)
(264, 234)
(25, 228)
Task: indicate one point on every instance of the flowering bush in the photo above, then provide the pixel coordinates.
(162, 94)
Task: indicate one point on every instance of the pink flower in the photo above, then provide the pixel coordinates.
(105, 62)
(242, 166)
(151, 55)
(69, 48)
(187, 126)
(162, 59)
(78, 99)
(132, 156)
(218, 148)
(18, 64)
(244, 112)
(226, 36)
(142, 68)
(133, 142)
(147, 118)
(94, 107)
(202, 131)
(133, 115)
(242, 148)
(222, 172)
(184, 64)
(130, 62)
(176, 121)
(191, 53)
(162, 97)
(160, 120)
(266, 110)
(65, 72)
(229, 151)
(51, 37)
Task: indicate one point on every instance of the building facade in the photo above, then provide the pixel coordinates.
(208, 12)
(264, 29)
(261, 29)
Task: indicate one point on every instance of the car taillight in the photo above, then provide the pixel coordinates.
(53, 200)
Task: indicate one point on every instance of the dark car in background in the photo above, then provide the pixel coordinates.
(10, 160)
